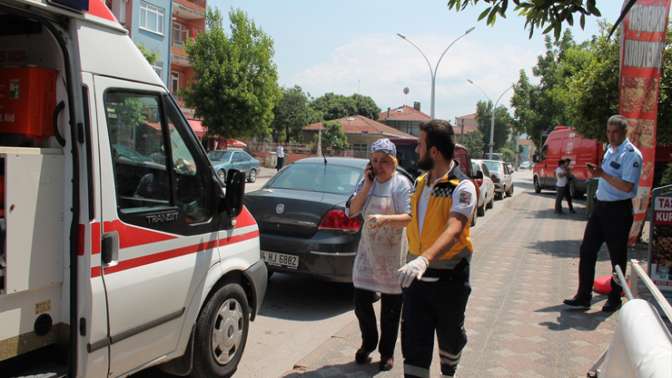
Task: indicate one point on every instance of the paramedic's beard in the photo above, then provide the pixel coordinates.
(426, 164)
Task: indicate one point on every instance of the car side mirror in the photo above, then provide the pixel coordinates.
(535, 158)
(235, 190)
(479, 175)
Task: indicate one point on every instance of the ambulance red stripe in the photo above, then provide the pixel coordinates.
(169, 254)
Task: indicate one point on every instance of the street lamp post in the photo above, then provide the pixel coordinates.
(432, 72)
(492, 115)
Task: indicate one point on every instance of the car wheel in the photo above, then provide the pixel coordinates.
(480, 211)
(473, 219)
(498, 195)
(510, 192)
(221, 332)
(491, 203)
(222, 175)
(252, 176)
(537, 187)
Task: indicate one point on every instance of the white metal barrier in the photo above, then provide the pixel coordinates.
(642, 343)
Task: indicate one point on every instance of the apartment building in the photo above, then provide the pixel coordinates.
(188, 20)
(163, 27)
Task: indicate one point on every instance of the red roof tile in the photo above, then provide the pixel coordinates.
(361, 125)
(404, 113)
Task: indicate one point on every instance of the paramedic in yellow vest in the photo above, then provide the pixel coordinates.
(435, 280)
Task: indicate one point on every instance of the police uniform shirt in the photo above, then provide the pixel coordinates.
(625, 163)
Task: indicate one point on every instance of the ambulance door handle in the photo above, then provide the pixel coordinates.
(110, 248)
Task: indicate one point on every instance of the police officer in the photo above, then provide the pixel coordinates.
(436, 277)
(611, 219)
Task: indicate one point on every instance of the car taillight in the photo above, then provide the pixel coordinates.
(336, 219)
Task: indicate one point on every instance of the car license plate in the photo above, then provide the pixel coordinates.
(280, 259)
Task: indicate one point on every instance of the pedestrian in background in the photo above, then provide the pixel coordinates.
(383, 199)
(280, 155)
(562, 177)
(610, 222)
(436, 277)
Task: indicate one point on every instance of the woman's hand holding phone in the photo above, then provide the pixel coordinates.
(369, 172)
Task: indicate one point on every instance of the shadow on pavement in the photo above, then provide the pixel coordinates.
(549, 213)
(569, 318)
(342, 370)
(305, 298)
(565, 248)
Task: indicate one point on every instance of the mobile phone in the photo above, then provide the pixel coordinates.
(370, 173)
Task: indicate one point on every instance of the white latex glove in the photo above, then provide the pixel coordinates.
(414, 269)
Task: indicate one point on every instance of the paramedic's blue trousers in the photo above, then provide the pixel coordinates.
(435, 304)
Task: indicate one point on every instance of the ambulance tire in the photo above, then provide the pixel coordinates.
(206, 363)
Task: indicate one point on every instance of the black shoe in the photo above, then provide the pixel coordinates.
(362, 357)
(611, 306)
(386, 363)
(578, 303)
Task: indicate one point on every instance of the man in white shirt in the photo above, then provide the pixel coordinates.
(562, 186)
(280, 154)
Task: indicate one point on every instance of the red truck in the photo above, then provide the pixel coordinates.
(565, 142)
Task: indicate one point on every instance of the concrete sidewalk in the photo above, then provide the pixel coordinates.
(525, 264)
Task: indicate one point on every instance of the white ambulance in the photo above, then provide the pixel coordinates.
(120, 248)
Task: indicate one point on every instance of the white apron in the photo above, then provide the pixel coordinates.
(381, 251)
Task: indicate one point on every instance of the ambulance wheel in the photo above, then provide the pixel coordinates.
(221, 332)
(537, 187)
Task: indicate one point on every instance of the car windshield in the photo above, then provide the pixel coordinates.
(335, 179)
(220, 155)
(493, 166)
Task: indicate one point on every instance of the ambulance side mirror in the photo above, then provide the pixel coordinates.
(235, 190)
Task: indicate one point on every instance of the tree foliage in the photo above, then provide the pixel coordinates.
(548, 15)
(292, 113)
(333, 137)
(150, 55)
(502, 124)
(237, 82)
(473, 141)
(334, 106)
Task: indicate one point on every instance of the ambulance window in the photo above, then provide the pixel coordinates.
(138, 152)
(190, 176)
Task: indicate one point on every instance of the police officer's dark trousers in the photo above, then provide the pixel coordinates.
(609, 223)
(431, 307)
(390, 311)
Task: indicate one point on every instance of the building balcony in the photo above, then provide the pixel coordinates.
(179, 57)
(189, 10)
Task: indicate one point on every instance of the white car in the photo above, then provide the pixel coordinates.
(486, 186)
(525, 165)
(501, 176)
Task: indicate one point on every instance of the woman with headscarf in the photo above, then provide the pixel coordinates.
(383, 200)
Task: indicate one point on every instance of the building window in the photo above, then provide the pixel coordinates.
(158, 68)
(174, 82)
(180, 34)
(151, 18)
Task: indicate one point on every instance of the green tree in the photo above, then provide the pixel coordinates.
(547, 14)
(364, 105)
(333, 137)
(150, 55)
(473, 141)
(292, 113)
(502, 123)
(540, 107)
(237, 82)
(334, 106)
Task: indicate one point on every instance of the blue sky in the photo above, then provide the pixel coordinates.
(351, 46)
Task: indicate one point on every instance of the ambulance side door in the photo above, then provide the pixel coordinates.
(159, 236)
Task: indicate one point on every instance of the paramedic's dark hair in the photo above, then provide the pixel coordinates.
(440, 135)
